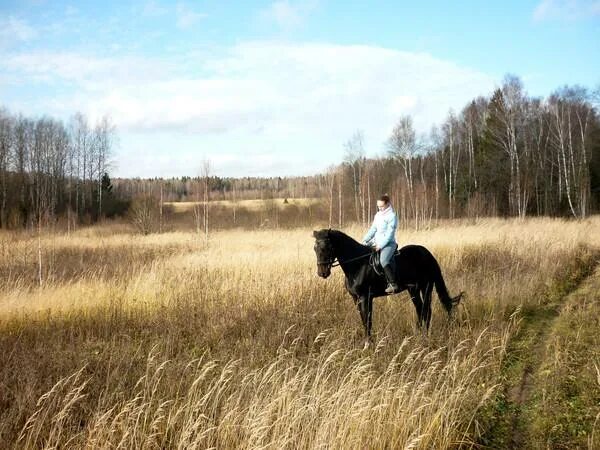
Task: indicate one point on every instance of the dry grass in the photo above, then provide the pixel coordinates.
(250, 205)
(568, 407)
(159, 342)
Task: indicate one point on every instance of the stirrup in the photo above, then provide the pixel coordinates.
(392, 288)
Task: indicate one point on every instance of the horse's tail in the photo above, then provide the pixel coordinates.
(442, 292)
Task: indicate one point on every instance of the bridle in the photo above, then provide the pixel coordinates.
(333, 263)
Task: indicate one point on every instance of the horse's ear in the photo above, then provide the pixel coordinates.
(314, 234)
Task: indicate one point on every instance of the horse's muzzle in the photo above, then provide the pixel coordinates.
(323, 270)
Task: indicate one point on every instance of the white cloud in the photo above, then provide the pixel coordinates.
(273, 99)
(88, 72)
(566, 9)
(15, 29)
(284, 88)
(288, 15)
(166, 159)
(186, 17)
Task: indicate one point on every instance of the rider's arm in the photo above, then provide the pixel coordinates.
(370, 234)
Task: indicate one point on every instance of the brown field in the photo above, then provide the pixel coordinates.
(158, 341)
(250, 205)
(243, 214)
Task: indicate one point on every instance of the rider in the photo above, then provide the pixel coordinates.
(382, 235)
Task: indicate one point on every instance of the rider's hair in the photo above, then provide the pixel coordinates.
(385, 198)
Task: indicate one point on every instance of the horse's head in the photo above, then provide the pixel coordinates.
(324, 251)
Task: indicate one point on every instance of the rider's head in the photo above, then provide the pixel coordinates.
(383, 202)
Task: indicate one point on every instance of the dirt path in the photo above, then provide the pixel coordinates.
(527, 352)
(532, 348)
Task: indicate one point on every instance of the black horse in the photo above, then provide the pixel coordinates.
(416, 270)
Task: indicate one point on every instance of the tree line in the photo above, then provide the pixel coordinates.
(507, 154)
(188, 188)
(51, 170)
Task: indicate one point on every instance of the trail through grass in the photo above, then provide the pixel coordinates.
(514, 420)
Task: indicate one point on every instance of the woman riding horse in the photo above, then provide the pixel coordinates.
(416, 270)
(382, 236)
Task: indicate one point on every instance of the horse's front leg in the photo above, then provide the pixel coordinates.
(365, 306)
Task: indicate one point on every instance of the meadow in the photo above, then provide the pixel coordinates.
(247, 204)
(112, 339)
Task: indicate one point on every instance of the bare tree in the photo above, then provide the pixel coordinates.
(570, 128)
(6, 136)
(81, 143)
(404, 147)
(508, 109)
(354, 157)
(23, 139)
(143, 212)
(104, 134)
(161, 204)
(340, 197)
(42, 165)
(330, 179)
(435, 144)
(234, 199)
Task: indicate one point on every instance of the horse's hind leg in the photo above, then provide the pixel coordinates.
(415, 296)
(369, 316)
(426, 292)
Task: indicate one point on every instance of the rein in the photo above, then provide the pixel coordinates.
(374, 264)
(336, 264)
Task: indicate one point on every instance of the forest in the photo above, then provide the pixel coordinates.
(508, 154)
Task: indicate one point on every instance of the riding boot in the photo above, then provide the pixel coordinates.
(390, 275)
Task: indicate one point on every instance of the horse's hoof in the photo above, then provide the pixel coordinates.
(367, 344)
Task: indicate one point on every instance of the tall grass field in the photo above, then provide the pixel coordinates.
(111, 339)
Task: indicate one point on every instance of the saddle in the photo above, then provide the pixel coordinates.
(375, 261)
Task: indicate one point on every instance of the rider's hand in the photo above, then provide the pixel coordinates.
(377, 248)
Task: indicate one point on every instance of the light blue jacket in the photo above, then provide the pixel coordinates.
(383, 230)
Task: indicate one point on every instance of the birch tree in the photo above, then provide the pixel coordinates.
(354, 158)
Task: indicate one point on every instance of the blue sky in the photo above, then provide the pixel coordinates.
(276, 88)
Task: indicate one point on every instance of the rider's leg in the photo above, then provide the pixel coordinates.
(392, 257)
(387, 255)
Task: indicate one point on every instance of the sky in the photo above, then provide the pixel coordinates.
(275, 88)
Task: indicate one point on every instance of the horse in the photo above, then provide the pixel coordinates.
(416, 268)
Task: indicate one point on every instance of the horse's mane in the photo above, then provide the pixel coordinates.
(340, 239)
